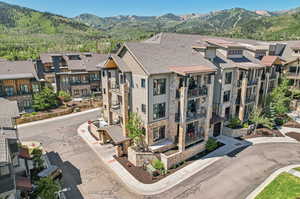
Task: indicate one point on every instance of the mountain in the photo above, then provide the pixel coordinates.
(25, 32)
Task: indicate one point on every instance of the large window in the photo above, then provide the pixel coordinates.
(35, 88)
(226, 96)
(159, 133)
(4, 170)
(24, 89)
(228, 77)
(159, 86)
(235, 52)
(143, 106)
(292, 69)
(9, 91)
(159, 111)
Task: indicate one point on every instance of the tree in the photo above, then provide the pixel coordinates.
(47, 188)
(136, 131)
(37, 159)
(257, 118)
(45, 99)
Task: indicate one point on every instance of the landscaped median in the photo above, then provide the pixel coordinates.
(282, 184)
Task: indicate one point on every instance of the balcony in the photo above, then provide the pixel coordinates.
(191, 116)
(116, 108)
(273, 75)
(251, 99)
(79, 82)
(193, 136)
(252, 82)
(196, 92)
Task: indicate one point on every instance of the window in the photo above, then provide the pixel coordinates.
(228, 77)
(159, 133)
(103, 73)
(109, 74)
(104, 91)
(226, 96)
(76, 92)
(94, 77)
(159, 86)
(227, 113)
(9, 91)
(144, 108)
(235, 52)
(24, 89)
(159, 111)
(292, 69)
(35, 88)
(143, 83)
(4, 170)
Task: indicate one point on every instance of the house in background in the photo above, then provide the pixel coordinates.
(19, 80)
(75, 73)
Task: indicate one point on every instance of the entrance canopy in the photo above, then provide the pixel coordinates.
(115, 132)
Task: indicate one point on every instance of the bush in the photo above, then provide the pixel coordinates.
(157, 164)
(45, 100)
(235, 123)
(33, 113)
(64, 96)
(211, 144)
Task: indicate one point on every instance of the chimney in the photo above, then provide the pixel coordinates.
(210, 53)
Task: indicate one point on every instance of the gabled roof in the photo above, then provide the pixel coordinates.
(17, 70)
(9, 110)
(270, 60)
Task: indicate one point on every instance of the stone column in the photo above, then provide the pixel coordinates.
(258, 89)
(124, 108)
(209, 108)
(108, 99)
(183, 112)
(243, 98)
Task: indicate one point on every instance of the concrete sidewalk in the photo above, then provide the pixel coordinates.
(106, 152)
(259, 189)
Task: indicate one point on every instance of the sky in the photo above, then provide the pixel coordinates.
(103, 8)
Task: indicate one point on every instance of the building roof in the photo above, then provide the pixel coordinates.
(158, 58)
(86, 61)
(270, 60)
(116, 133)
(9, 110)
(17, 70)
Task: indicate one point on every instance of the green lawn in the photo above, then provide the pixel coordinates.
(285, 186)
(297, 169)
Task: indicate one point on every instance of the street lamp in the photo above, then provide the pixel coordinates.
(62, 191)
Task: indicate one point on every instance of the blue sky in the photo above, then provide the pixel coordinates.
(71, 8)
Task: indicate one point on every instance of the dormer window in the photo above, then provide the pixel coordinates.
(297, 51)
(74, 57)
(235, 52)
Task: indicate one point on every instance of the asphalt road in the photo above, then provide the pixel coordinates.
(230, 178)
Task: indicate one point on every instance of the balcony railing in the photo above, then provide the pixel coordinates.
(193, 136)
(190, 116)
(196, 92)
(252, 82)
(250, 99)
(79, 82)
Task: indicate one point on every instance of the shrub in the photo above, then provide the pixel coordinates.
(157, 164)
(33, 113)
(211, 144)
(45, 100)
(26, 115)
(64, 96)
(235, 123)
(245, 125)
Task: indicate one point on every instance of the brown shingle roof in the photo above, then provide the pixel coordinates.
(17, 70)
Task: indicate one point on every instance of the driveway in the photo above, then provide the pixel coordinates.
(230, 178)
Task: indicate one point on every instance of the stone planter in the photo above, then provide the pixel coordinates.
(138, 159)
(235, 132)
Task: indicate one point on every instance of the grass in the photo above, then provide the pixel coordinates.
(284, 186)
(297, 169)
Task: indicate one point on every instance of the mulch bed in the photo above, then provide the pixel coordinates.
(292, 124)
(264, 132)
(294, 135)
(143, 176)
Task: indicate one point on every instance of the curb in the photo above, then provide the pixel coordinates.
(260, 188)
(158, 187)
(57, 118)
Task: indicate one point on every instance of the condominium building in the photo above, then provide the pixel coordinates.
(19, 80)
(75, 73)
(184, 87)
